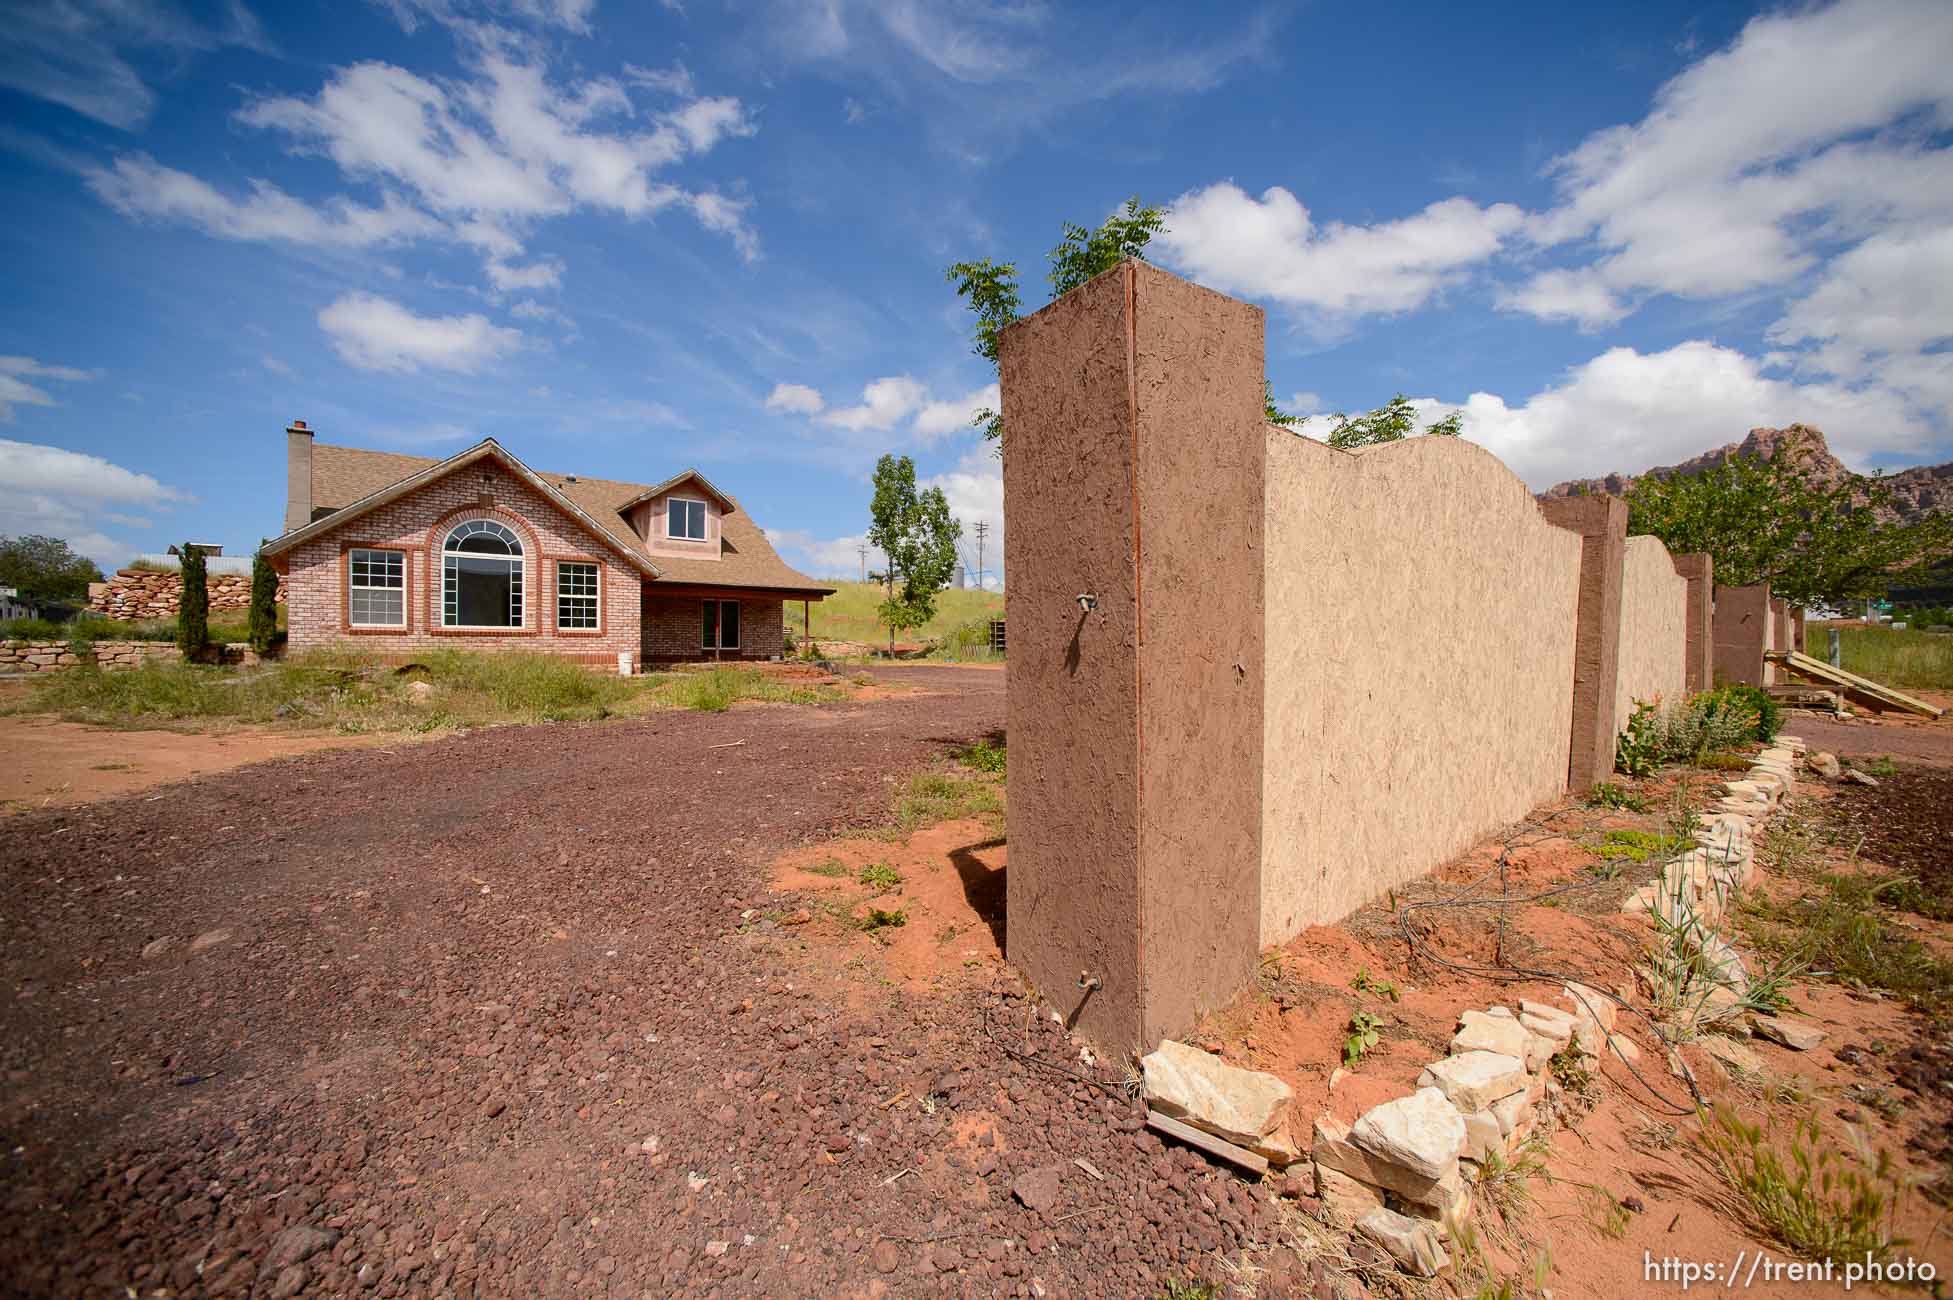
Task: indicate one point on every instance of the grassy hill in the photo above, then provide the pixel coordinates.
(849, 614)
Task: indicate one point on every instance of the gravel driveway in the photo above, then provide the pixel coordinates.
(482, 1017)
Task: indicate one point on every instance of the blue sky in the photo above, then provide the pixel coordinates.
(629, 238)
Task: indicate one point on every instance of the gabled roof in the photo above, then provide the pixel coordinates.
(726, 504)
(344, 478)
(486, 449)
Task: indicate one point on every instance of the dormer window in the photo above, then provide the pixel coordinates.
(684, 519)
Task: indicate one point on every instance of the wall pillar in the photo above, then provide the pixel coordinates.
(1742, 633)
(1779, 635)
(1134, 459)
(1601, 521)
(1699, 570)
(1797, 630)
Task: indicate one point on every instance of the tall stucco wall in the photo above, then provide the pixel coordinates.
(1420, 621)
(1654, 628)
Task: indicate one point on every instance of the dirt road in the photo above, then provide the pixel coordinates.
(495, 1015)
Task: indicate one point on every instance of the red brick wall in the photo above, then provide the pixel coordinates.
(673, 627)
(416, 524)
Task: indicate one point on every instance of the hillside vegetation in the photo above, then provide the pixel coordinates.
(849, 614)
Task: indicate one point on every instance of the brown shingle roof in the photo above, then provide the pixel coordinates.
(343, 475)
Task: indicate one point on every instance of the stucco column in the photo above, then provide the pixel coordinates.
(1742, 632)
(1779, 635)
(1601, 521)
(1700, 571)
(1133, 476)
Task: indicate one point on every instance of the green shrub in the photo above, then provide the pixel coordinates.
(262, 627)
(938, 797)
(882, 876)
(1607, 794)
(1640, 846)
(193, 611)
(1637, 750)
(983, 756)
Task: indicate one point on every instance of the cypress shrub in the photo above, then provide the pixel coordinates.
(263, 628)
(193, 617)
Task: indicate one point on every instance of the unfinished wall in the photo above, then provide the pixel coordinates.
(1742, 634)
(1420, 662)
(1133, 474)
(1653, 662)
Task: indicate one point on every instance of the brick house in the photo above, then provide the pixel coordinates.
(401, 554)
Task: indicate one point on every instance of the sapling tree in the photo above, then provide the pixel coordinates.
(915, 531)
(1772, 520)
(193, 609)
(264, 604)
(1391, 422)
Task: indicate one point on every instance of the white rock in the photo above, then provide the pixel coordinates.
(1422, 1133)
(1789, 1033)
(1591, 1003)
(1239, 1105)
(1621, 1047)
(1507, 1111)
(1474, 1080)
(1483, 1134)
(1732, 1056)
(1413, 1243)
(1825, 764)
(1479, 1032)
(1345, 1199)
(1333, 1150)
(209, 939)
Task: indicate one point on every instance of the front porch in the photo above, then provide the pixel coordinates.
(689, 624)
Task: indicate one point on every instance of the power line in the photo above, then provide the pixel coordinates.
(982, 530)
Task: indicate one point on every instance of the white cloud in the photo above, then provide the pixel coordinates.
(1892, 294)
(1756, 158)
(1570, 295)
(1272, 248)
(546, 273)
(16, 391)
(884, 403)
(529, 310)
(854, 112)
(675, 80)
(68, 494)
(939, 418)
(375, 333)
(825, 557)
(795, 399)
(138, 186)
(480, 159)
(572, 14)
(76, 52)
(975, 491)
(277, 367)
(1628, 411)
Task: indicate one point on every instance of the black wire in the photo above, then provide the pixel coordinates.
(1507, 972)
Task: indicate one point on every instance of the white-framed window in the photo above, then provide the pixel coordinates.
(481, 576)
(685, 519)
(376, 588)
(576, 596)
(721, 625)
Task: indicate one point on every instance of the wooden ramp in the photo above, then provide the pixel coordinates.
(1861, 689)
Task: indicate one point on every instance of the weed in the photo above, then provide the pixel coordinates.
(1178, 1290)
(876, 919)
(983, 756)
(1608, 794)
(1362, 1036)
(1637, 750)
(1723, 762)
(1503, 1181)
(882, 876)
(1570, 1070)
(1806, 1194)
(1609, 1217)
(934, 797)
(1639, 846)
(718, 689)
(832, 867)
(1364, 983)
(1838, 928)
(1881, 766)
(1903, 659)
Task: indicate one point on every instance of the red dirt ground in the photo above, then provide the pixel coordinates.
(497, 1016)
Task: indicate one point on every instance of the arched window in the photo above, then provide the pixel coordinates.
(481, 582)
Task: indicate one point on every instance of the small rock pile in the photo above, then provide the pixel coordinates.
(1694, 889)
(1401, 1175)
(139, 595)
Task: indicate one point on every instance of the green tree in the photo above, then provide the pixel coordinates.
(1772, 520)
(193, 610)
(1391, 422)
(45, 569)
(263, 626)
(990, 289)
(915, 531)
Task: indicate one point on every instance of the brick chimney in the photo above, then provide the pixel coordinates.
(298, 475)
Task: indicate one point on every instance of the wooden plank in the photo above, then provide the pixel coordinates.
(1883, 696)
(1204, 1141)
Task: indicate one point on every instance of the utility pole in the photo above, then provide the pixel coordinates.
(982, 530)
(862, 551)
